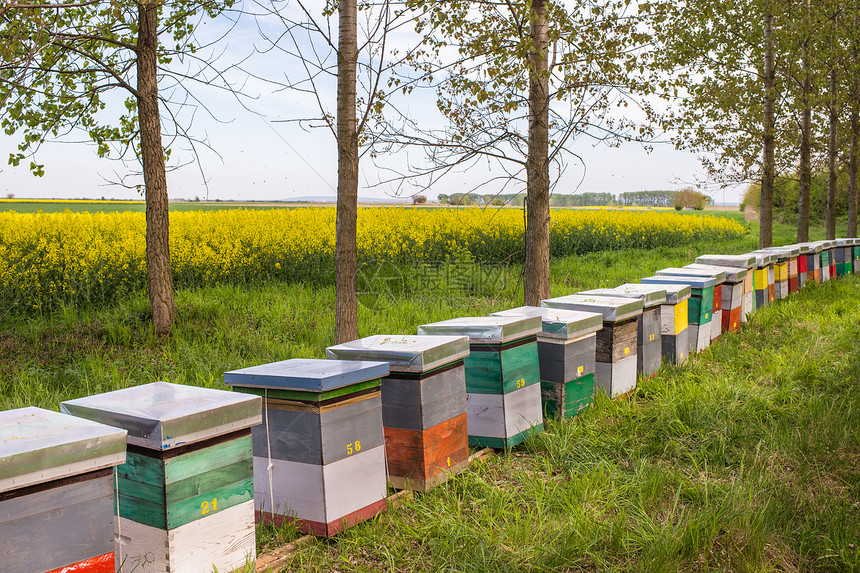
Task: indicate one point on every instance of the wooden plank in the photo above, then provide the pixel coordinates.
(422, 404)
(215, 501)
(649, 357)
(297, 489)
(731, 319)
(321, 438)
(342, 392)
(648, 327)
(224, 540)
(717, 325)
(323, 529)
(718, 297)
(523, 410)
(205, 460)
(503, 415)
(676, 348)
(421, 455)
(616, 378)
(52, 529)
(565, 361)
(617, 341)
(353, 483)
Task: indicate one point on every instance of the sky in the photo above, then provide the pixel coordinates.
(262, 154)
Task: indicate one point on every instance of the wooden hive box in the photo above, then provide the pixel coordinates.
(717, 308)
(700, 307)
(789, 255)
(764, 278)
(56, 492)
(566, 353)
(649, 331)
(844, 257)
(747, 262)
(675, 322)
(615, 354)
(732, 293)
(319, 456)
(856, 255)
(811, 251)
(423, 404)
(184, 495)
(803, 261)
(780, 273)
(826, 260)
(503, 395)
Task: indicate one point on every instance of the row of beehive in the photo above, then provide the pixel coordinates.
(313, 441)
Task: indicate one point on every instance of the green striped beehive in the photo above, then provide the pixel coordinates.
(566, 354)
(503, 397)
(185, 494)
(746, 262)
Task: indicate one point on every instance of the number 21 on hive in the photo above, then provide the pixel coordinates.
(206, 507)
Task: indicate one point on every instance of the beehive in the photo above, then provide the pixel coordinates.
(844, 257)
(787, 256)
(319, 456)
(503, 395)
(812, 253)
(802, 264)
(615, 355)
(717, 308)
(185, 494)
(649, 331)
(732, 293)
(780, 272)
(747, 262)
(56, 492)
(825, 259)
(700, 306)
(423, 404)
(566, 353)
(764, 277)
(856, 255)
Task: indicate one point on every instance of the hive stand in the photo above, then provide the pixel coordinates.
(56, 492)
(649, 331)
(566, 352)
(185, 492)
(717, 312)
(746, 262)
(503, 397)
(423, 404)
(733, 292)
(700, 308)
(615, 367)
(319, 456)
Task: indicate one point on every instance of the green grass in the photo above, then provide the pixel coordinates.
(745, 459)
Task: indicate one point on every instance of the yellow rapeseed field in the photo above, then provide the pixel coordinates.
(51, 258)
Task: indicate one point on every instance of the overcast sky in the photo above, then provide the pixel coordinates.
(262, 156)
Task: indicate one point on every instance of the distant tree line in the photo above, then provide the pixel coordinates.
(686, 198)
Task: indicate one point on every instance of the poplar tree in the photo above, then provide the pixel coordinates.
(60, 66)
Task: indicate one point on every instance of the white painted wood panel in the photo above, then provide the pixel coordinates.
(523, 410)
(485, 414)
(222, 540)
(354, 483)
(297, 489)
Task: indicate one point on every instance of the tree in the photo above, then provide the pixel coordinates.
(59, 63)
(516, 83)
(726, 58)
(362, 61)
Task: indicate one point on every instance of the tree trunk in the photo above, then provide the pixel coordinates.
(768, 169)
(852, 162)
(805, 148)
(159, 277)
(536, 272)
(832, 154)
(346, 250)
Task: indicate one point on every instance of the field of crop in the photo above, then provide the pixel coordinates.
(52, 259)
